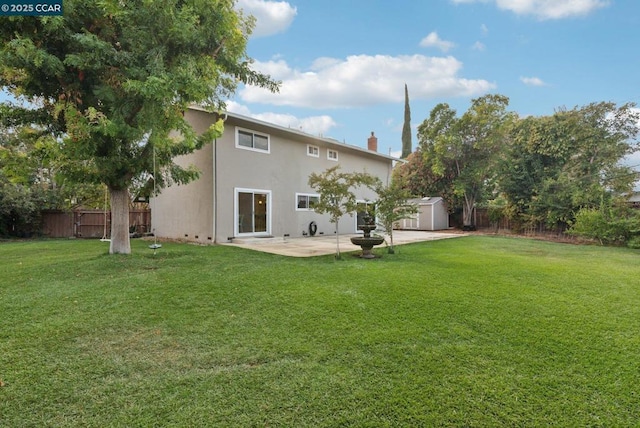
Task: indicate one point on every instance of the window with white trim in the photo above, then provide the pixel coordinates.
(332, 155)
(313, 151)
(250, 140)
(306, 201)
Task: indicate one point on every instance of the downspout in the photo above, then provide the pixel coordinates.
(215, 184)
(215, 190)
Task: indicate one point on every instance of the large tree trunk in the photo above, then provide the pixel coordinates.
(467, 212)
(120, 243)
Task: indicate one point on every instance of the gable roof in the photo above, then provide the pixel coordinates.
(427, 200)
(294, 134)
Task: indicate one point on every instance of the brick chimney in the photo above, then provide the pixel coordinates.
(372, 143)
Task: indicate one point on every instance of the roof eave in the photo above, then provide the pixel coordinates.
(298, 133)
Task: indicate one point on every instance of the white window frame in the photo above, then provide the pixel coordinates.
(313, 151)
(308, 196)
(236, 211)
(329, 151)
(253, 133)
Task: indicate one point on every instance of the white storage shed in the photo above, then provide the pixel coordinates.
(432, 215)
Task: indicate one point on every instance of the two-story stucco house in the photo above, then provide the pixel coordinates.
(254, 182)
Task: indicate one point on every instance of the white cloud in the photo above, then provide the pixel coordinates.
(234, 107)
(272, 17)
(324, 62)
(546, 9)
(484, 29)
(532, 81)
(315, 125)
(363, 80)
(478, 46)
(278, 69)
(433, 40)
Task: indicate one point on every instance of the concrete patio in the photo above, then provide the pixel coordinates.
(321, 245)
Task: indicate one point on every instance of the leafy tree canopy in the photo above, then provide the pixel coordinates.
(535, 170)
(114, 79)
(556, 165)
(461, 151)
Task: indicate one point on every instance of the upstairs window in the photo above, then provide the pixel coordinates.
(332, 155)
(313, 151)
(250, 140)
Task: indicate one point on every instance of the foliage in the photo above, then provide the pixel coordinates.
(391, 206)
(418, 178)
(336, 194)
(29, 181)
(496, 332)
(406, 126)
(634, 242)
(464, 150)
(608, 226)
(30, 157)
(113, 80)
(556, 165)
(20, 208)
(537, 170)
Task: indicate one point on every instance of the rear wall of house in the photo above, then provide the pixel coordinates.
(282, 173)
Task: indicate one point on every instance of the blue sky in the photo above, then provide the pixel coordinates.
(344, 64)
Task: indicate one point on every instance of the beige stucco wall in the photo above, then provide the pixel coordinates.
(185, 212)
(182, 212)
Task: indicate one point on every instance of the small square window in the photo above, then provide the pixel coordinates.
(313, 151)
(332, 155)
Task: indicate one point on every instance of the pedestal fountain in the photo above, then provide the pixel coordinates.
(367, 242)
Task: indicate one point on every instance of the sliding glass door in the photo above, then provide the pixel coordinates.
(253, 212)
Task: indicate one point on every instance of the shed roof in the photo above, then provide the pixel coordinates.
(427, 200)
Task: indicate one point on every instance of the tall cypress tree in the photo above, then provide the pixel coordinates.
(406, 128)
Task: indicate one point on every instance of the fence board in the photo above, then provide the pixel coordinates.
(90, 223)
(57, 224)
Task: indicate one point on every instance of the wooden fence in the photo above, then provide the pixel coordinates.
(90, 223)
(504, 225)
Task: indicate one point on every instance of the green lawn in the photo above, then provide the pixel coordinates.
(475, 331)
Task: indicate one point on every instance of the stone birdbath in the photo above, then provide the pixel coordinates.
(367, 242)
